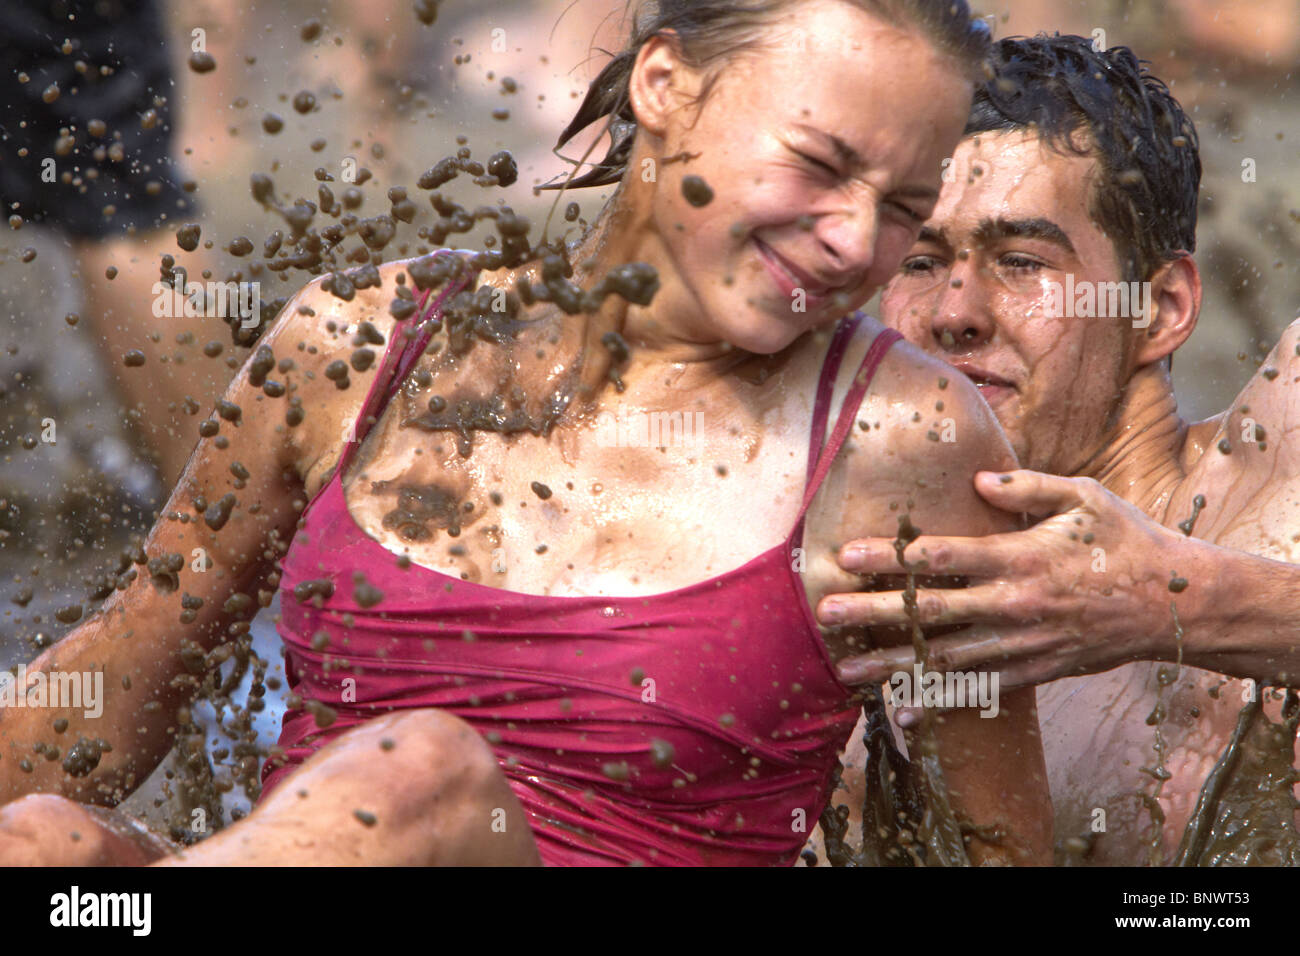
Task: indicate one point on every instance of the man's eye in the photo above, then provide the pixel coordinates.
(1021, 263)
(919, 265)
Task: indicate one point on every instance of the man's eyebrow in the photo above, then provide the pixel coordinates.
(934, 236)
(990, 230)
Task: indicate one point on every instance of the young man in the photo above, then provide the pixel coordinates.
(1056, 273)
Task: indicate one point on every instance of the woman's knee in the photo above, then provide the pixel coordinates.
(42, 829)
(427, 749)
(431, 776)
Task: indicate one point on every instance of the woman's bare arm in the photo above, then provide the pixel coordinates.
(145, 643)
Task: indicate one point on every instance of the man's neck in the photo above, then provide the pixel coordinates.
(1142, 458)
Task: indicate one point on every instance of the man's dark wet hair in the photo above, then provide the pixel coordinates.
(1145, 199)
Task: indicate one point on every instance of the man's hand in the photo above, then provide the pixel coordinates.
(1085, 590)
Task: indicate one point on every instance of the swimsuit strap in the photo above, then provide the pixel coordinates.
(397, 362)
(826, 385)
(848, 412)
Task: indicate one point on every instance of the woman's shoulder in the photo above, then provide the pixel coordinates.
(330, 341)
(918, 408)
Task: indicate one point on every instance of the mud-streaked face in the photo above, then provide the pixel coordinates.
(823, 151)
(979, 289)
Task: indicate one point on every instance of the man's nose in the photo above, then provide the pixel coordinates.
(962, 318)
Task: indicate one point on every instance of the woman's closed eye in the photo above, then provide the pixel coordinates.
(911, 214)
(820, 165)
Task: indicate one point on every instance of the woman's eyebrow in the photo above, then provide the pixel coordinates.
(845, 152)
(850, 156)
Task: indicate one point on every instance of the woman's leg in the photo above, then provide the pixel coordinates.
(43, 829)
(420, 788)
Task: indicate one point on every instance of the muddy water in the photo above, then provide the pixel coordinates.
(907, 818)
(1245, 815)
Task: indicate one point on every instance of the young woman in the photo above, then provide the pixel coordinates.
(560, 645)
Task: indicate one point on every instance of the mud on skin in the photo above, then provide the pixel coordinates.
(347, 247)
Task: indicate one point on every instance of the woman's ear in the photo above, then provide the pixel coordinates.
(655, 85)
(1173, 309)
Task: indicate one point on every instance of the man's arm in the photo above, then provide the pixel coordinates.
(934, 433)
(1098, 582)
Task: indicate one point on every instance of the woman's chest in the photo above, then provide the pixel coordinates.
(595, 512)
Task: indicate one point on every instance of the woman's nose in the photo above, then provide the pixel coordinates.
(849, 244)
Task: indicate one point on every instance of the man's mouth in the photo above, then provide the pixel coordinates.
(993, 387)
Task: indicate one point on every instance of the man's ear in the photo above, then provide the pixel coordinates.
(1175, 306)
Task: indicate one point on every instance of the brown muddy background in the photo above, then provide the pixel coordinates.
(393, 97)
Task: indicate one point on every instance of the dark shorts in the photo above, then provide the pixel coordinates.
(104, 184)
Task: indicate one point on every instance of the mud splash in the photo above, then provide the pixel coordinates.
(907, 816)
(1245, 815)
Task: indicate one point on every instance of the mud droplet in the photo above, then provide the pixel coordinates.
(187, 236)
(323, 715)
(697, 192)
(426, 11)
(366, 817)
(663, 753)
(502, 165)
(84, 756)
(365, 593)
(540, 490)
(202, 62)
(69, 614)
(616, 770)
(218, 514)
(133, 358)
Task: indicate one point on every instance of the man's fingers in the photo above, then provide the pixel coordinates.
(970, 650)
(1032, 492)
(984, 604)
(988, 556)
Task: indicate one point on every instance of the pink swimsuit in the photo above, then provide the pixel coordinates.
(698, 726)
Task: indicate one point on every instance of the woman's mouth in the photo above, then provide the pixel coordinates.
(792, 283)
